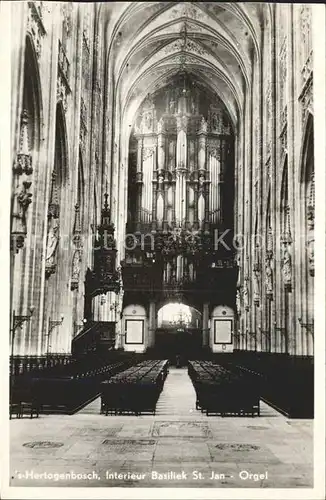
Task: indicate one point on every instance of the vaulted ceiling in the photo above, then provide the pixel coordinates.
(216, 43)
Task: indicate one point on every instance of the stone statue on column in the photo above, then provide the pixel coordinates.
(22, 171)
(256, 284)
(286, 259)
(53, 229)
(51, 247)
(311, 227)
(311, 252)
(75, 269)
(245, 293)
(77, 256)
(269, 277)
(203, 126)
(287, 266)
(269, 264)
(160, 126)
(238, 302)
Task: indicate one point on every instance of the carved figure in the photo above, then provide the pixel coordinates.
(311, 252)
(25, 199)
(201, 181)
(238, 302)
(160, 125)
(246, 296)
(52, 243)
(193, 105)
(286, 265)
(256, 286)
(172, 106)
(203, 126)
(148, 121)
(76, 265)
(268, 276)
(214, 121)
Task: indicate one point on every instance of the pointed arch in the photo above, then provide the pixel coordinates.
(284, 194)
(307, 147)
(307, 191)
(61, 145)
(81, 188)
(268, 208)
(32, 95)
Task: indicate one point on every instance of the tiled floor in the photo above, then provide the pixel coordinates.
(178, 447)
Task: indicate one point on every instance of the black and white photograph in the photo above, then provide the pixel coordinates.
(164, 202)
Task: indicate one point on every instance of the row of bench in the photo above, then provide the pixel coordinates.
(65, 389)
(224, 391)
(135, 390)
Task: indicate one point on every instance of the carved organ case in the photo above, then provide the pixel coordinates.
(181, 166)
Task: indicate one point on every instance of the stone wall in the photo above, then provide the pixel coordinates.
(72, 115)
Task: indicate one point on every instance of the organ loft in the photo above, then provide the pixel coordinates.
(180, 192)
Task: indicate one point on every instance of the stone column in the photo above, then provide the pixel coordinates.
(202, 138)
(181, 168)
(201, 198)
(205, 324)
(151, 324)
(139, 178)
(160, 145)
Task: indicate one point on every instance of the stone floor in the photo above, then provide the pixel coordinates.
(178, 447)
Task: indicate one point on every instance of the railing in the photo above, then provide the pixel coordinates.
(147, 224)
(66, 388)
(95, 335)
(26, 364)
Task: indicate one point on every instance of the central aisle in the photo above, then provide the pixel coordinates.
(178, 396)
(165, 449)
(177, 399)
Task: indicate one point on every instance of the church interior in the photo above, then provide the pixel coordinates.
(162, 243)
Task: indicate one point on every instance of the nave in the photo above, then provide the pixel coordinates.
(178, 399)
(164, 158)
(178, 438)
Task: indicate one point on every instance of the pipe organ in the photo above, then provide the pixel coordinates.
(183, 150)
(182, 157)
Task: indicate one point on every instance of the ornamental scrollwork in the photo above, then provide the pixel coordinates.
(35, 25)
(148, 152)
(22, 169)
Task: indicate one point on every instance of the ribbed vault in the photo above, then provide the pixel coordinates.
(215, 43)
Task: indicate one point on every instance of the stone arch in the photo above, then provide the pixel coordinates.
(25, 164)
(32, 95)
(307, 146)
(283, 329)
(268, 273)
(284, 184)
(61, 141)
(256, 283)
(58, 247)
(24, 175)
(81, 188)
(307, 190)
(307, 228)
